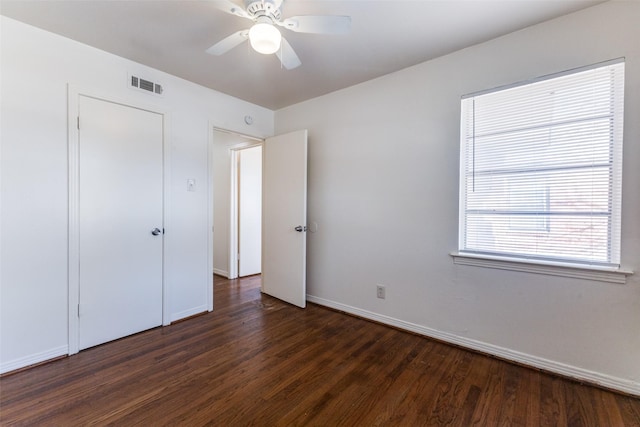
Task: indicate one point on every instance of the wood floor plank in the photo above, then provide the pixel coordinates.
(553, 402)
(258, 361)
(532, 418)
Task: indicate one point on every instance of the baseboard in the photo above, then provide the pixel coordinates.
(222, 273)
(53, 353)
(573, 372)
(187, 313)
(33, 359)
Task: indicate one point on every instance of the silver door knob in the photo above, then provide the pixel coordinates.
(156, 231)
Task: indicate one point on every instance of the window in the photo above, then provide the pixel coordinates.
(541, 169)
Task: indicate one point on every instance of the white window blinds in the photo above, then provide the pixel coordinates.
(541, 168)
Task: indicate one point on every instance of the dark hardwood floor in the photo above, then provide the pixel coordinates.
(258, 361)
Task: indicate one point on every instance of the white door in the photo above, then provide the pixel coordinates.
(120, 206)
(250, 211)
(284, 210)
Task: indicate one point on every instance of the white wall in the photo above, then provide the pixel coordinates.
(221, 200)
(36, 68)
(383, 187)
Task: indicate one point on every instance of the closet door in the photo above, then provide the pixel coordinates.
(120, 220)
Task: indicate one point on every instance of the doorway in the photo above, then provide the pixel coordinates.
(237, 204)
(284, 211)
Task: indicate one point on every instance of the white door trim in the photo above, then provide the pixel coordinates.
(233, 216)
(73, 94)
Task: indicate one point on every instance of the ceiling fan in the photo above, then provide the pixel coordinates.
(264, 35)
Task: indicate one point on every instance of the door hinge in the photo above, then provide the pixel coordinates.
(78, 310)
(78, 122)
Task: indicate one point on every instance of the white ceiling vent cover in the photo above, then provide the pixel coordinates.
(145, 85)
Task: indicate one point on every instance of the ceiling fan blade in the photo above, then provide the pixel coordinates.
(318, 24)
(287, 55)
(230, 7)
(228, 43)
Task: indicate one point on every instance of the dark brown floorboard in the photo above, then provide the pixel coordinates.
(258, 361)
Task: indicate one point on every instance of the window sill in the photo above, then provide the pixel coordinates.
(563, 270)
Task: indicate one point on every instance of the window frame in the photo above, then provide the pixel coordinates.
(608, 272)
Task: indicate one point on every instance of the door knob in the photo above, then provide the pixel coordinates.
(156, 231)
(300, 228)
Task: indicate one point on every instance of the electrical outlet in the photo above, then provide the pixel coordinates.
(380, 291)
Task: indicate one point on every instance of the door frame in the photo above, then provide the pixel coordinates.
(232, 267)
(73, 94)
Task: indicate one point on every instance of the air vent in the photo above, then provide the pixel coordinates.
(146, 85)
(139, 83)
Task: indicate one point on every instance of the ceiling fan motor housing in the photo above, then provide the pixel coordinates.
(268, 8)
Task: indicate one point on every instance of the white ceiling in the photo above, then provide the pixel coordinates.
(386, 36)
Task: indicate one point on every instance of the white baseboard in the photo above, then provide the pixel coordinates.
(32, 359)
(222, 273)
(596, 378)
(187, 313)
(64, 350)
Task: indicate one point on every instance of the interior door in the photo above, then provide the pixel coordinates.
(120, 220)
(250, 211)
(284, 204)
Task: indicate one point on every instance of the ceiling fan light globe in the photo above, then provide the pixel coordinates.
(265, 38)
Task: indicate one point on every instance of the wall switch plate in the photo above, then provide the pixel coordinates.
(191, 184)
(380, 291)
